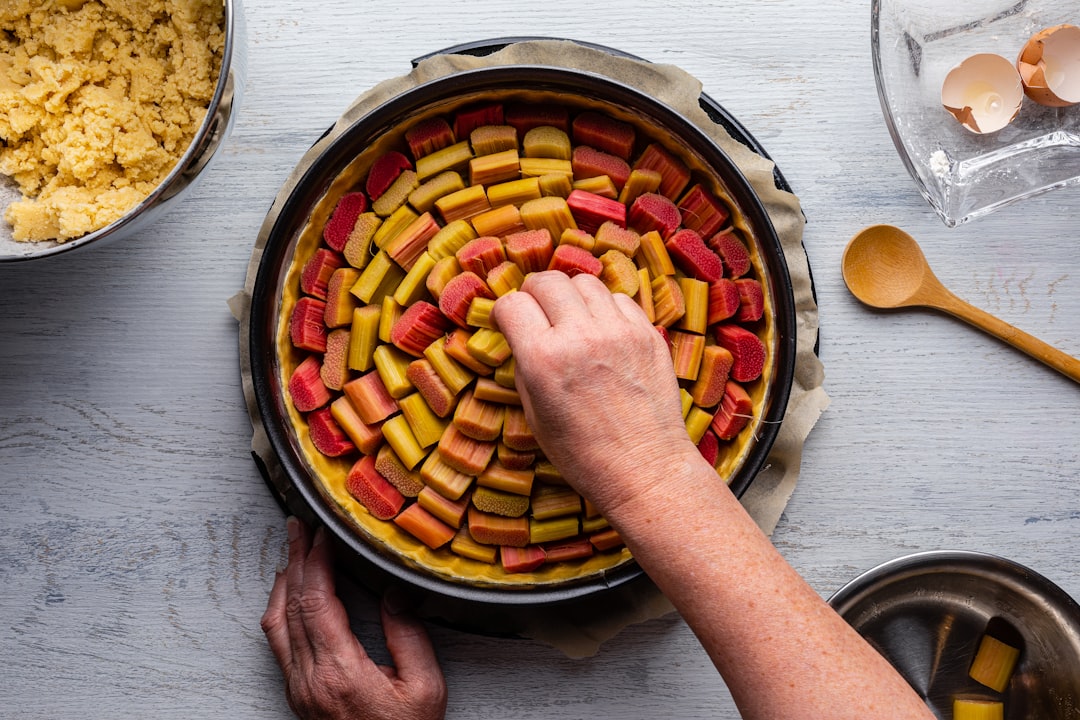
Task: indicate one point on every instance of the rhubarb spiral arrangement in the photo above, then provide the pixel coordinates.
(402, 390)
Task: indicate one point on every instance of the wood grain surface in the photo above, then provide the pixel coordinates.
(139, 542)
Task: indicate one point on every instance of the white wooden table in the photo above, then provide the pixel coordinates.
(139, 542)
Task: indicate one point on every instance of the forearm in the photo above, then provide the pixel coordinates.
(749, 608)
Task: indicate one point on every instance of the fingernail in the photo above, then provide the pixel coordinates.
(320, 536)
(292, 527)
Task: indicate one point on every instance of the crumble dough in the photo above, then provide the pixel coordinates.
(99, 99)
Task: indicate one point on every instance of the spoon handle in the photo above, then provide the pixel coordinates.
(1033, 346)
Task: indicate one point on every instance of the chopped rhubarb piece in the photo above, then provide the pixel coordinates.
(498, 502)
(315, 277)
(464, 545)
(343, 218)
(428, 136)
(578, 238)
(481, 254)
(516, 431)
(370, 398)
(372, 490)
(521, 560)
(408, 482)
(732, 251)
(575, 261)
(367, 438)
(444, 479)
(669, 305)
(496, 476)
(515, 459)
(552, 501)
(566, 550)
(664, 334)
(479, 419)
(653, 211)
(491, 529)
(735, 411)
(746, 348)
(606, 540)
(409, 244)
(468, 119)
(340, 302)
(723, 300)
(612, 236)
(524, 117)
(505, 278)
(335, 364)
(674, 175)
(457, 347)
(591, 211)
(550, 212)
(547, 141)
(326, 435)
(427, 427)
(604, 133)
(418, 327)
(703, 211)
(384, 171)
(689, 252)
(709, 447)
(489, 139)
(424, 526)
(451, 512)
(464, 453)
(687, 350)
(589, 162)
(751, 300)
(459, 293)
(306, 326)
(716, 364)
(436, 394)
(306, 386)
(619, 273)
(530, 250)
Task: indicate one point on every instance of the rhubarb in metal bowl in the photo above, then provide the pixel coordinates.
(388, 395)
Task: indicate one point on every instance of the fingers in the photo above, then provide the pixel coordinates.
(299, 542)
(325, 619)
(412, 652)
(275, 625)
(557, 297)
(518, 316)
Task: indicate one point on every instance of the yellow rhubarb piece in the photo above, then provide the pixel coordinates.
(514, 192)
(644, 294)
(687, 350)
(560, 528)
(466, 547)
(379, 279)
(489, 347)
(442, 272)
(550, 213)
(390, 310)
(968, 708)
(423, 198)
(546, 472)
(594, 524)
(444, 479)
(641, 181)
(491, 139)
(620, 275)
(427, 426)
(393, 367)
(456, 376)
(358, 246)
(494, 168)
(455, 157)
(687, 401)
(601, 185)
(451, 512)
(399, 435)
(413, 286)
(556, 184)
(552, 501)
(653, 254)
(577, 238)
(450, 239)
(364, 337)
(547, 141)
(463, 204)
(396, 195)
(668, 303)
(391, 226)
(697, 422)
(499, 477)
(994, 663)
(505, 375)
(498, 222)
(696, 303)
(505, 278)
(539, 167)
(479, 314)
(499, 502)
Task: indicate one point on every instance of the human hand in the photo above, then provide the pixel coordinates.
(328, 675)
(596, 383)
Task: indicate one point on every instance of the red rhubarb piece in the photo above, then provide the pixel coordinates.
(343, 219)
(572, 260)
(306, 386)
(563, 550)
(723, 300)
(590, 210)
(674, 175)
(751, 300)
(369, 397)
(703, 211)
(605, 133)
(709, 447)
(419, 326)
(746, 348)
(491, 529)
(384, 171)
(735, 411)
(530, 250)
(335, 364)
(326, 435)
(428, 136)
(367, 438)
(307, 327)
(689, 252)
(458, 295)
(468, 119)
(525, 117)
(732, 252)
(481, 254)
(424, 526)
(431, 387)
(320, 267)
(589, 162)
(716, 364)
(664, 334)
(608, 539)
(520, 560)
(653, 211)
(372, 490)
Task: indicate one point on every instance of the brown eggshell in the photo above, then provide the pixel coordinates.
(1049, 66)
(984, 92)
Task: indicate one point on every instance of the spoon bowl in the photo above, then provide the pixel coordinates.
(885, 268)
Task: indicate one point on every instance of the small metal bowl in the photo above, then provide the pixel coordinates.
(215, 127)
(926, 613)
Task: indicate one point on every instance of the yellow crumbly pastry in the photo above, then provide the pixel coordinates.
(98, 101)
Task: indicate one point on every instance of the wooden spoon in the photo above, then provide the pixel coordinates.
(884, 267)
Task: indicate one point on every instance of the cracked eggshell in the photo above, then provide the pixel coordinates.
(984, 92)
(1049, 65)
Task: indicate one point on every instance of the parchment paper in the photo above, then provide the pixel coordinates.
(579, 631)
